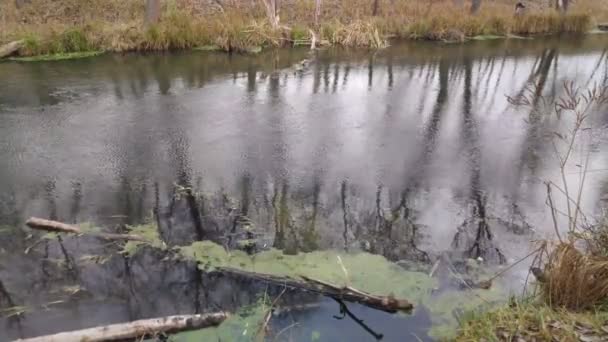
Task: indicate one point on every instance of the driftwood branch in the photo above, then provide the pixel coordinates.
(10, 48)
(136, 329)
(345, 293)
(59, 227)
(346, 312)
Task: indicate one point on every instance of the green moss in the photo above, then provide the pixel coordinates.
(57, 56)
(299, 34)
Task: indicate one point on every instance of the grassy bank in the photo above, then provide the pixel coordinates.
(568, 300)
(532, 321)
(67, 26)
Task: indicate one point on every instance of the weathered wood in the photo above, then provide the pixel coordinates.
(152, 11)
(60, 227)
(346, 293)
(475, 6)
(10, 48)
(137, 329)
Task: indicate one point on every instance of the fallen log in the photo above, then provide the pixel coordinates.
(388, 304)
(136, 330)
(10, 48)
(59, 227)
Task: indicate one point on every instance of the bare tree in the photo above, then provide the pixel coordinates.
(317, 11)
(152, 11)
(272, 11)
(562, 5)
(376, 7)
(475, 5)
(20, 3)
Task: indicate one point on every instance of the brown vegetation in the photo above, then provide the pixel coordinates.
(61, 26)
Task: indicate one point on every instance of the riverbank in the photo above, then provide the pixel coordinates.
(68, 26)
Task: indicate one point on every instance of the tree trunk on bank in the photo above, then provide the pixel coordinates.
(272, 12)
(152, 11)
(475, 5)
(317, 12)
(10, 48)
(376, 7)
(136, 330)
(20, 3)
(562, 5)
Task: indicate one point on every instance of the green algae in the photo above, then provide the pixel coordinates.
(148, 231)
(244, 326)
(364, 271)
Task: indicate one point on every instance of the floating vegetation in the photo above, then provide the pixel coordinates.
(366, 272)
(57, 57)
(243, 326)
(149, 232)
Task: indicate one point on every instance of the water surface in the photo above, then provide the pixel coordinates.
(399, 152)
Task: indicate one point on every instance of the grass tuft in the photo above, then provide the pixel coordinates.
(575, 281)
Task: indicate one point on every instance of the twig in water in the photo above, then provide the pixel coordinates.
(344, 311)
(268, 315)
(276, 338)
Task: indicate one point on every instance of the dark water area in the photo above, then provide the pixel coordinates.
(408, 152)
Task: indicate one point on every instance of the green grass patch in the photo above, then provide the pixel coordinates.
(57, 56)
(532, 321)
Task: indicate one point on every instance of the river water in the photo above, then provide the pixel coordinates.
(315, 151)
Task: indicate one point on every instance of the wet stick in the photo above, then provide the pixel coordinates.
(60, 227)
(137, 329)
(388, 304)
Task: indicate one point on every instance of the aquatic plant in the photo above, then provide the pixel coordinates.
(370, 273)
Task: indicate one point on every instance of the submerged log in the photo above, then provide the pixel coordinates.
(345, 293)
(59, 227)
(137, 329)
(10, 48)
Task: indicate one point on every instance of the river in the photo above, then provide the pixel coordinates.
(397, 152)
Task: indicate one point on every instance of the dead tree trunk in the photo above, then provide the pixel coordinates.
(20, 3)
(317, 12)
(272, 12)
(137, 329)
(59, 227)
(10, 48)
(475, 5)
(562, 5)
(152, 11)
(388, 304)
(376, 7)
(458, 3)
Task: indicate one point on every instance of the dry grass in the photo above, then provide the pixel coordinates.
(117, 25)
(531, 321)
(575, 281)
